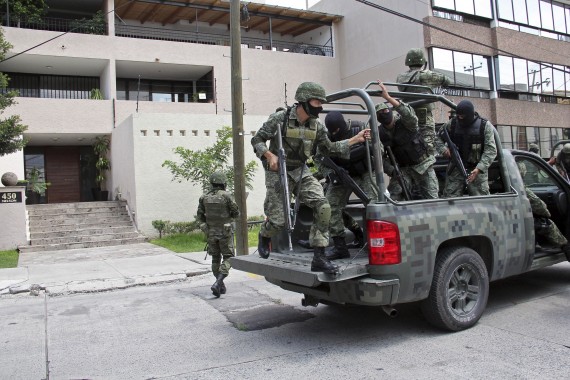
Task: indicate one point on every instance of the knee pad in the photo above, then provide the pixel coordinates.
(322, 215)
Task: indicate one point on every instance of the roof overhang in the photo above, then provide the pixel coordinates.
(262, 17)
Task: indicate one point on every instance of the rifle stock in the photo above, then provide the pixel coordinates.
(282, 157)
(345, 178)
(399, 175)
(455, 157)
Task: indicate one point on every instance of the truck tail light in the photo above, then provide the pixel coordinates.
(384, 243)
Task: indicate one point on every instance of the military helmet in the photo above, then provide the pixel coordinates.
(218, 178)
(566, 148)
(534, 148)
(310, 90)
(381, 106)
(415, 57)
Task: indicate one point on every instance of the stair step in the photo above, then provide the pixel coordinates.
(82, 231)
(87, 244)
(84, 238)
(55, 227)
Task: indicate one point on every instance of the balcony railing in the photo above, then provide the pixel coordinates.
(57, 25)
(162, 34)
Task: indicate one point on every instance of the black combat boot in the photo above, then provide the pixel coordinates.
(218, 285)
(320, 262)
(223, 287)
(358, 238)
(339, 251)
(304, 244)
(263, 246)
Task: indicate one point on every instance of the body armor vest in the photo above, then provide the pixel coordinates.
(425, 110)
(356, 164)
(470, 141)
(298, 140)
(408, 146)
(217, 212)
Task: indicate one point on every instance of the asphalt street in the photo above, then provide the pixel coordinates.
(178, 330)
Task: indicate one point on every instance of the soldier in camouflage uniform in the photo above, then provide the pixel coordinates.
(400, 131)
(562, 162)
(217, 209)
(544, 226)
(475, 141)
(419, 75)
(533, 148)
(301, 129)
(338, 192)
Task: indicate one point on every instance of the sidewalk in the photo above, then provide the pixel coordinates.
(100, 269)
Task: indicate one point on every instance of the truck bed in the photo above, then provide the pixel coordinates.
(295, 267)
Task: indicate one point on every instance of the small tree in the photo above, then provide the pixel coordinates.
(11, 130)
(25, 10)
(196, 166)
(101, 146)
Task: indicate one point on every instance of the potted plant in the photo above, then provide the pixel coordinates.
(102, 164)
(96, 94)
(37, 186)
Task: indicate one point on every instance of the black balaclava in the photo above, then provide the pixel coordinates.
(467, 110)
(335, 122)
(310, 110)
(385, 117)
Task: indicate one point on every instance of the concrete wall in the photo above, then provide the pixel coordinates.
(12, 163)
(154, 195)
(12, 219)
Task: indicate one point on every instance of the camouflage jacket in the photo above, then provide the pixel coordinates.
(304, 146)
(229, 206)
(424, 78)
(489, 147)
(406, 118)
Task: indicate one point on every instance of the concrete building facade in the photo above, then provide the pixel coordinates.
(163, 69)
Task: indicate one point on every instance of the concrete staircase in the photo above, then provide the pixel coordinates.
(61, 226)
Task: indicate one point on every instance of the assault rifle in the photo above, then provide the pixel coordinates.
(455, 157)
(282, 157)
(399, 175)
(345, 178)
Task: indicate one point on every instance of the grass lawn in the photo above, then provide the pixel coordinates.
(195, 241)
(9, 259)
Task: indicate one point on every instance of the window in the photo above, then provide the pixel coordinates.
(533, 13)
(481, 8)
(505, 8)
(546, 15)
(546, 18)
(52, 86)
(519, 7)
(466, 70)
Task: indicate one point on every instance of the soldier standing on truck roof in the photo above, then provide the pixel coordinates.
(419, 75)
(399, 130)
(475, 140)
(300, 129)
(216, 210)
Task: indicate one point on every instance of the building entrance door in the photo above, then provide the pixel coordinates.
(62, 168)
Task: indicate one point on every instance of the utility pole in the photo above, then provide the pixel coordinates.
(237, 129)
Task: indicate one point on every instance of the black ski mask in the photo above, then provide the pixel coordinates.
(310, 110)
(385, 117)
(336, 125)
(466, 109)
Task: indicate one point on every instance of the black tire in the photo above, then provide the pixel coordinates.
(459, 290)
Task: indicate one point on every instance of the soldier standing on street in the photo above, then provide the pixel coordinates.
(337, 192)
(419, 75)
(400, 132)
(475, 140)
(216, 210)
(301, 129)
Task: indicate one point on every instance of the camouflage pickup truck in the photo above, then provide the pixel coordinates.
(442, 252)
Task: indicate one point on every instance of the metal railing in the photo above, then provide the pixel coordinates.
(162, 34)
(56, 25)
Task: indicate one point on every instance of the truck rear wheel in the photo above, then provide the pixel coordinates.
(459, 290)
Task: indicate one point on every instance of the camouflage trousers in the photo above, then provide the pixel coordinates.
(428, 133)
(551, 234)
(548, 231)
(426, 184)
(221, 247)
(455, 185)
(338, 196)
(310, 194)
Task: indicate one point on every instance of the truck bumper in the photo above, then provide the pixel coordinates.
(292, 271)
